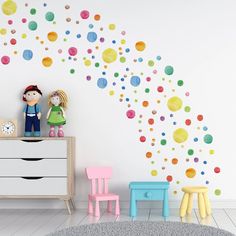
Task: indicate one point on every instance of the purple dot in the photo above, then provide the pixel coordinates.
(114, 83)
(196, 159)
(88, 77)
(207, 182)
(162, 118)
(171, 115)
(102, 40)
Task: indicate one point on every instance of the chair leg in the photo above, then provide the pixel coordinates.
(190, 203)
(109, 206)
(97, 210)
(90, 206)
(133, 206)
(184, 205)
(201, 205)
(207, 203)
(117, 209)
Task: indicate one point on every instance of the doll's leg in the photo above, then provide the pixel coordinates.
(28, 126)
(60, 131)
(52, 131)
(36, 124)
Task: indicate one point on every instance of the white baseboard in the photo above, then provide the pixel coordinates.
(57, 204)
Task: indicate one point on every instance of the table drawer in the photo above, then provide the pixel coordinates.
(148, 194)
(33, 148)
(40, 186)
(33, 167)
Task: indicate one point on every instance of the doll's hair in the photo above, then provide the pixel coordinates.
(63, 98)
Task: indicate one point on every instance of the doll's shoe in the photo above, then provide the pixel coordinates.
(52, 133)
(60, 133)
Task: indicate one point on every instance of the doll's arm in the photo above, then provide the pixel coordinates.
(63, 113)
(48, 113)
(24, 114)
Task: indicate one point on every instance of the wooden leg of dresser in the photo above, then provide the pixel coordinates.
(72, 203)
(68, 206)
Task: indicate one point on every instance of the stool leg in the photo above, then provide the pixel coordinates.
(133, 209)
(190, 203)
(201, 205)
(207, 203)
(165, 212)
(184, 204)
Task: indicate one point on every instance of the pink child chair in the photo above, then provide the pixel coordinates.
(99, 191)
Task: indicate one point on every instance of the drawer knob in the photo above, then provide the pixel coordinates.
(31, 159)
(148, 194)
(32, 178)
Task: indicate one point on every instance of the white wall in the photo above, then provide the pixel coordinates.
(196, 37)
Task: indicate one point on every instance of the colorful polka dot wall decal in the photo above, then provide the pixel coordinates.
(175, 140)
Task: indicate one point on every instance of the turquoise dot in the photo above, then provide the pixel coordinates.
(49, 16)
(32, 25)
(205, 128)
(169, 70)
(158, 58)
(91, 37)
(208, 138)
(102, 83)
(135, 81)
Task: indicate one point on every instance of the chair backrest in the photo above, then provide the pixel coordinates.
(99, 177)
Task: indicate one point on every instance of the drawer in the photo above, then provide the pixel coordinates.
(148, 194)
(33, 148)
(42, 186)
(33, 167)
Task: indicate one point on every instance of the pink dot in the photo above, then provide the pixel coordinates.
(130, 114)
(24, 20)
(148, 79)
(89, 51)
(155, 72)
(5, 60)
(142, 139)
(72, 51)
(160, 89)
(84, 14)
(187, 94)
(123, 32)
(217, 170)
(10, 22)
(13, 41)
(59, 51)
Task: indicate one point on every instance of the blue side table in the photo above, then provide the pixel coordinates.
(150, 191)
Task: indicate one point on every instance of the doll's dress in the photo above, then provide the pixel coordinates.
(56, 116)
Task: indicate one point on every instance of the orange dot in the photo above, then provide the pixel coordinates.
(148, 154)
(174, 161)
(145, 103)
(150, 121)
(97, 17)
(169, 178)
(190, 173)
(200, 117)
(140, 46)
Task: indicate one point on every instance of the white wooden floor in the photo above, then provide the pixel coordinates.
(40, 222)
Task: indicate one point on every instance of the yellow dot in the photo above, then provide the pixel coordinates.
(190, 173)
(140, 46)
(154, 172)
(211, 152)
(112, 26)
(47, 61)
(174, 103)
(109, 55)
(180, 135)
(9, 7)
(123, 41)
(24, 36)
(3, 31)
(112, 92)
(52, 36)
(87, 62)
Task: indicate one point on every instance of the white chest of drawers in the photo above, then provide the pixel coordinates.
(37, 168)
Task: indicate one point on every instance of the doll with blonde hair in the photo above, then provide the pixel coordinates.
(57, 101)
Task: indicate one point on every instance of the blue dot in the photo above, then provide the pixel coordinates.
(195, 139)
(163, 134)
(127, 99)
(205, 162)
(140, 59)
(174, 123)
(207, 182)
(103, 72)
(67, 32)
(69, 58)
(123, 87)
(90, 26)
(171, 115)
(45, 4)
(158, 58)
(127, 50)
(78, 36)
(93, 57)
(135, 81)
(27, 54)
(202, 173)
(91, 37)
(113, 41)
(205, 128)
(102, 83)
(127, 69)
(114, 83)
(122, 79)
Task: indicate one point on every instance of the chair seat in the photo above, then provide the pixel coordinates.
(104, 197)
(195, 189)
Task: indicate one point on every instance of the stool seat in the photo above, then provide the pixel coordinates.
(195, 189)
(203, 201)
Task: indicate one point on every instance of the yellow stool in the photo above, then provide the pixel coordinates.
(203, 201)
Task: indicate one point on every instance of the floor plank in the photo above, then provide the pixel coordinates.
(108, 217)
(124, 215)
(232, 215)
(91, 219)
(156, 215)
(142, 215)
(209, 220)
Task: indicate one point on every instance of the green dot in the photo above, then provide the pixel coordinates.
(169, 70)
(49, 16)
(96, 64)
(147, 90)
(190, 152)
(72, 71)
(64, 39)
(32, 25)
(122, 59)
(116, 74)
(208, 138)
(63, 60)
(217, 192)
(32, 11)
(163, 142)
(180, 82)
(151, 63)
(187, 109)
(139, 121)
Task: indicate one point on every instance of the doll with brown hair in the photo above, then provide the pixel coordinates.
(57, 101)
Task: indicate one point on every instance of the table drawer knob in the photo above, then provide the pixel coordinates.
(148, 194)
